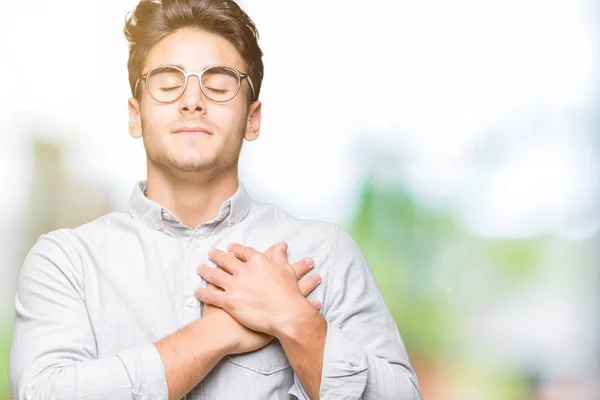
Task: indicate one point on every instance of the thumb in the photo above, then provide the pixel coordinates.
(270, 250)
(280, 254)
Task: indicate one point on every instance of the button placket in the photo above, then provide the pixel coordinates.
(191, 309)
(191, 305)
(196, 244)
(192, 302)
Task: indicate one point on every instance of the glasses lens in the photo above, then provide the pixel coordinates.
(220, 83)
(166, 83)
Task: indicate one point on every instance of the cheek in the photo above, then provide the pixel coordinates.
(156, 118)
(231, 118)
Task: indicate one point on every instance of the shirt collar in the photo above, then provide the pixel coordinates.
(154, 216)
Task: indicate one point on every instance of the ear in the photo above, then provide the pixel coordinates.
(253, 122)
(135, 118)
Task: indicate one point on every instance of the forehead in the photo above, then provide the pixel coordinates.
(194, 50)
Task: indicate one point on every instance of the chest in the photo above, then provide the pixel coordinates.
(140, 289)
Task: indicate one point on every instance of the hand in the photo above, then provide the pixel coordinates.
(244, 339)
(240, 338)
(260, 293)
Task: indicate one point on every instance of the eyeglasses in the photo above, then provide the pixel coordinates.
(219, 83)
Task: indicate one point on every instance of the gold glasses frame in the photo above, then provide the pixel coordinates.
(241, 76)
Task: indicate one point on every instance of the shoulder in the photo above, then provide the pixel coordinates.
(280, 219)
(330, 240)
(65, 245)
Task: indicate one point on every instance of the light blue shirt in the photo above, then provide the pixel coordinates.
(92, 301)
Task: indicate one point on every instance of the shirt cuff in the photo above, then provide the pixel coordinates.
(146, 372)
(344, 373)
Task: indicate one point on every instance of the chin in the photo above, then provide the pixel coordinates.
(195, 165)
(190, 161)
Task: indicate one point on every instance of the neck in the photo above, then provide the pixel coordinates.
(194, 197)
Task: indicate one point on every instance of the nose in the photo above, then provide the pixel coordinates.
(193, 99)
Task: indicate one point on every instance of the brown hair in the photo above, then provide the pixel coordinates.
(153, 20)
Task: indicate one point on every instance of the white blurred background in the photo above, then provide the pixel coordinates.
(464, 133)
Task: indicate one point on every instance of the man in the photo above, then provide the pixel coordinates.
(109, 310)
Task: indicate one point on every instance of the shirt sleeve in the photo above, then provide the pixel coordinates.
(53, 352)
(364, 355)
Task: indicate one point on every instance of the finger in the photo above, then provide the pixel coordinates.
(269, 252)
(309, 284)
(316, 304)
(211, 295)
(302, 267)
(228, 262)
(280, 254)
(243, 253)
(215, 276)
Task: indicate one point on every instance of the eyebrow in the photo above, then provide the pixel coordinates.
(167, 65)
(181, 67)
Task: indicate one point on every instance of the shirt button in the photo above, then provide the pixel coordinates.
(157, 227)
(191, 302)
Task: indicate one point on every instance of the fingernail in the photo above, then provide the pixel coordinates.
(318, 278)
(309, 262)
(284, 245)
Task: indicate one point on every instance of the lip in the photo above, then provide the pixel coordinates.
(198, 130)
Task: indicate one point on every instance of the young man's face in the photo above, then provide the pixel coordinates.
(227, 123)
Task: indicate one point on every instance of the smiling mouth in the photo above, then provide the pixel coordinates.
(192, 130)
(196, 133)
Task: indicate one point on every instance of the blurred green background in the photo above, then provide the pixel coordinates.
(459, 144)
